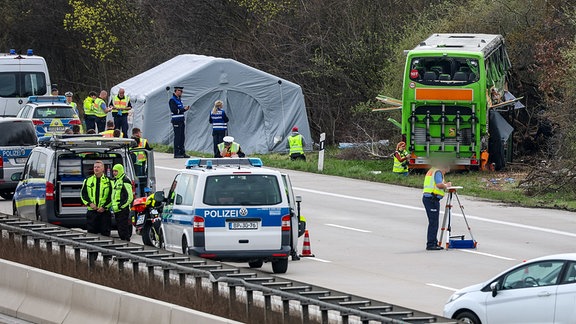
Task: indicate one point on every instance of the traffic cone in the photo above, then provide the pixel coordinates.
(306, 252)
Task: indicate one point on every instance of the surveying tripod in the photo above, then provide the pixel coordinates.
(447, 227)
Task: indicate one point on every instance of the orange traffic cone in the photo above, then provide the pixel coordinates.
(306, 252)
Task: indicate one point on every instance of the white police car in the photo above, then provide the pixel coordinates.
(232, 210)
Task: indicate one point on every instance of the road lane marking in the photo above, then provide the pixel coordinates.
(534, 228)
(316, 259)
(349, 228)
(441, 287)
(488, 254)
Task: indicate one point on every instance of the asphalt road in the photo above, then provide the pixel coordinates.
(369, 239)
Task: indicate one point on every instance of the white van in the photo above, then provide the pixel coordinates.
(232, 210)
(21, 76)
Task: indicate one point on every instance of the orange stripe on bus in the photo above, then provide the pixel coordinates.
(444, 94)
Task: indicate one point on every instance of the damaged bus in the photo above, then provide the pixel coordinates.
(455, 102)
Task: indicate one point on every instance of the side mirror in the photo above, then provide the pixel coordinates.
(494, 288)
(298, 198)
(159, 196)
(16, 176)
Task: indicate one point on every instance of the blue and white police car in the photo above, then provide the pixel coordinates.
(232, 210)
(50, 114)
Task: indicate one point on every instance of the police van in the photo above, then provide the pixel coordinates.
(21, 76)
(49, 188)
(232, 210)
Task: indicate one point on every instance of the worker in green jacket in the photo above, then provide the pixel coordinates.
(122, 198)
(96, 194)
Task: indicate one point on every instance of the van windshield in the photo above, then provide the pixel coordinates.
(247, 190)
(17, 133)
(22, 84)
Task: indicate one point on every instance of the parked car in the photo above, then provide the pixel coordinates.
(50, 185)
(541, 290)
(17, 139)
(50, 114)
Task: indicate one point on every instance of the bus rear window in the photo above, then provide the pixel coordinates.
(245, 190)
(444, 70)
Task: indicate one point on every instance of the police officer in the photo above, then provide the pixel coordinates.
(121, 201)
(89, 117)
(101, 110)
(97, 195)
(434, 186)
(69, 101)
(178, 123)
(219, 122)
(229, 148)
(296, 145)
(121, 105)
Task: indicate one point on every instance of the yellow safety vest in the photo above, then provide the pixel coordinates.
(120, 103)
(98, 107)
(430, 184)
(295, 144)
(233, 149)
(398, 167)
(89, 106)
(141, 156)
(108, 133)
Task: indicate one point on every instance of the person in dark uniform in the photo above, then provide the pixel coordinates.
(178, 109)
(219, 122)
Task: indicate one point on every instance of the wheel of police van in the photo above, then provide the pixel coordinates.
(184, 245)
(256, 264)
(467, 317)
(280, 265)
(14, 209)
(7, 195)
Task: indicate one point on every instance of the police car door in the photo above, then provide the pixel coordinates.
(293, 211)
(143, 161)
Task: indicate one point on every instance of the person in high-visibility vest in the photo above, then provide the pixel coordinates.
(296, 145)
(230, 149)
(100, 110)
(96, 194)
(433, 192)
(121, 105)
(141, 157)
(400, 159)
(89, 116)
(111, 130)
(69, 101)
(122, 201)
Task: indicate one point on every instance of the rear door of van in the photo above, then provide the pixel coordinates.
(243, 211)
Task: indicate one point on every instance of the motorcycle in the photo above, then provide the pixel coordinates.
(147, 218)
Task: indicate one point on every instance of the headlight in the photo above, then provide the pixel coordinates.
(455, 296)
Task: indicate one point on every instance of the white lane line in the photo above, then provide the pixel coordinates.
(316, 259)
(534, 228)
(349, 228)
(488, 254)
(441, 287)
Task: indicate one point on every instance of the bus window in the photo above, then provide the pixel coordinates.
(444, 70)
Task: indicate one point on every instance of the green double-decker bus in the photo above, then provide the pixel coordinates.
(455, 102)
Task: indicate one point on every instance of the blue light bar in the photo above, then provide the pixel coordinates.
(53, 99)
(255, 162)
(12, 51)
(29, 52)
(193, 162)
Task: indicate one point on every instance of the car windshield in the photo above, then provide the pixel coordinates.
(54, 112)
(234, 189)
(444, 70)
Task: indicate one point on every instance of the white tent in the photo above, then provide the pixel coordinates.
(262, 108)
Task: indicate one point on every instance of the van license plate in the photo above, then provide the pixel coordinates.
(243, 225)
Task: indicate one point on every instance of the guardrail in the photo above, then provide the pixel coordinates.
(310, 298)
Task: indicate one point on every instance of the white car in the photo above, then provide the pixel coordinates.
(541, 290)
